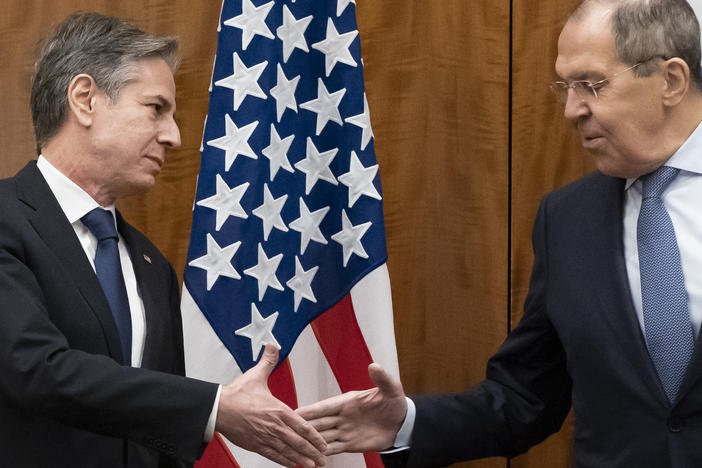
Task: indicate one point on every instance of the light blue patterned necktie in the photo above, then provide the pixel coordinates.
(668, 329)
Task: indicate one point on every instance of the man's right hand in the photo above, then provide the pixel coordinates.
(253, 419)
(361, 421)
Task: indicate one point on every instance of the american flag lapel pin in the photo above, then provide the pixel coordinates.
(147, 258)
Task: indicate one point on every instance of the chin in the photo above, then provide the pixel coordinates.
(607, 163)
(616, 170)
(146, 185)
(624, 167)
(607, 166)
(139, 187)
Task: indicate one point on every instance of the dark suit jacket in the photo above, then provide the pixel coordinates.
(579, 344)
(64, 400)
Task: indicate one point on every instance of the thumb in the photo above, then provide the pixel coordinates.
(383, 381)
(267, 363)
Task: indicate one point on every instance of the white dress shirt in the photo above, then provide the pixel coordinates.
(683, 200)
(76, 203)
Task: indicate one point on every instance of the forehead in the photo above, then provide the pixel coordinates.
(586, 46)
(152, 76)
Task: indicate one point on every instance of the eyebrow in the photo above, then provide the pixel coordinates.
(165, 103)
(586, 75)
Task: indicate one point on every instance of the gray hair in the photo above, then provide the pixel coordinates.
(104, 47)
(645, 30)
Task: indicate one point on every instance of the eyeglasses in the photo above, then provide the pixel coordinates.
(584, 89)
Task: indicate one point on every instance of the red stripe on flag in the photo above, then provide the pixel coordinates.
(373, 460)
(342, 343)
(217, 455)
(282, 384)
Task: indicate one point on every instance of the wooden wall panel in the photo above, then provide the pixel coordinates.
(545, 155)
(437, 76)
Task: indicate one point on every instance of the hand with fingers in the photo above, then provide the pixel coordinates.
(252, 418)
(360, 421)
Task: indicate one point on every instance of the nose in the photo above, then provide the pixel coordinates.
(575, 107)
(170, 134)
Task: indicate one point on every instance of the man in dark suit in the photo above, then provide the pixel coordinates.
(612, 318)
(91, 347)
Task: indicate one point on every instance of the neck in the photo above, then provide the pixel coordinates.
(681, 123)
(78, 166)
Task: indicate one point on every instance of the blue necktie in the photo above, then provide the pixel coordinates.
(109, 273)
(667, 324)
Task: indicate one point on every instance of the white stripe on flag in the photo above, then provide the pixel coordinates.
(315, 381)
(372, 302)
(206, 358)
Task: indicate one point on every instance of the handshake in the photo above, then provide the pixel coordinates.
(361, 421)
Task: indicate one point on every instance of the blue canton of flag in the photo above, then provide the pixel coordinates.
(288, 213)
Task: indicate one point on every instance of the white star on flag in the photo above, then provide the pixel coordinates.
(326, 106)
(264, 272)
(336, 47)
(301, 283)
(277, 152)
(251, 21)
(350, 237)
(284, 93)
(341, 6)
(218, 261)
(363, 121)
(308, 225)
(259, 331)
(235, 142)
(269, 212)
(316, 166)
(359, 180)
(244, 81)
(226, 202)
(292, 33)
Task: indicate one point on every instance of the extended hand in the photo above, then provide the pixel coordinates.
(252, 418)
(361, 421)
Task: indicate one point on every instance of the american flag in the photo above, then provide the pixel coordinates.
(288, 240)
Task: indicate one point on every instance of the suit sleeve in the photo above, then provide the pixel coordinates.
(43, 375)
(525, 397)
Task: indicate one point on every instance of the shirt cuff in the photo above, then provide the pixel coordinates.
(209, 429)
(404, 435)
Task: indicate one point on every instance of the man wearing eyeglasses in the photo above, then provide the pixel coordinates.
(615, 301)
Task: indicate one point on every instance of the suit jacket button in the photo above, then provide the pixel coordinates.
(675, 425)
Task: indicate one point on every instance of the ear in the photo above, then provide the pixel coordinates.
(82, 96)
(676, 74)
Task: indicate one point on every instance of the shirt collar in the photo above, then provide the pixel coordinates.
(74, 201)
(686, 158)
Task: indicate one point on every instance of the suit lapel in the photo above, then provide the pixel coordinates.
(146, 279)
(694, 370)
(54, 229)
(608, 272)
